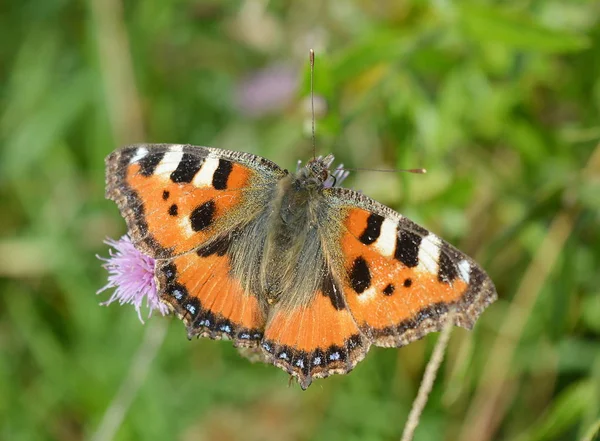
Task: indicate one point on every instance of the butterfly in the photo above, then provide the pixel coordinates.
(306, 274)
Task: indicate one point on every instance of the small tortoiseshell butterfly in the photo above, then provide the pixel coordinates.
(308, 274)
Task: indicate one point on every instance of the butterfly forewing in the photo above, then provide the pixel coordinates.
(399, 280)
(178, 197)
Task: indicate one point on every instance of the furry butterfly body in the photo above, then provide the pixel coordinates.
(309, 274)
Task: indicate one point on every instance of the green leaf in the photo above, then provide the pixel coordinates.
(487, 24)
(565, 411)
(593, 433)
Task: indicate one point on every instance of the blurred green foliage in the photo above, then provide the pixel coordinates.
(498, 100)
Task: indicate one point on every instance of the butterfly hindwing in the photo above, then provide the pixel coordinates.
(399, 280)
(202, 290)
(177, 197)
(316, 339)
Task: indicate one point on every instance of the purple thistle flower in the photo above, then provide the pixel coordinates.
(131, 273)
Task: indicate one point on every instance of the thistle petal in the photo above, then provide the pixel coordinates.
(131, 274)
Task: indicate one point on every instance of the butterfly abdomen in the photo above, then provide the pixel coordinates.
(292, 253)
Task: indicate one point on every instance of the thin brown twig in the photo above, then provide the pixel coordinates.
(428, 378)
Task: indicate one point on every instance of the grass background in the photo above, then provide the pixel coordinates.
(498, 100)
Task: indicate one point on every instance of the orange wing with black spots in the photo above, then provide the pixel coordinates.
(178, 197)
(283, 264)
(314, 340)
(399, 280)
(203, 292)
(184, 205)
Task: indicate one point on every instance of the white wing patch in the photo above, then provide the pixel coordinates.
(170, 161)
(186, 227)
(386, 242)
(139, 154)
(367, 295)
(429, 253)
(205, 176)
(464, 270)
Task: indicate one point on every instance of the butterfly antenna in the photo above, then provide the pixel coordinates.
(311, 57)
(419, 171)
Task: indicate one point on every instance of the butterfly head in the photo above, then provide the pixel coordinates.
(317, 174)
